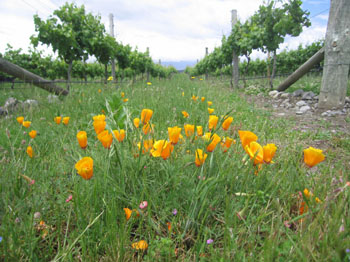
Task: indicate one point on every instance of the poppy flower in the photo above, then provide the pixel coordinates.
(26, 124)
(202, 98)
(146, 115)
(122, 94)
(147, 128)
(213, 121)
(141, 245)
(126, 100)
(65, 120)
(99, 90)
(149, 83)
(269, 152)
(162, 148)
(105, 138)
(147, 145)
(256, 152)
(227, 143)
(246, 137)
(207, 136)
(99, 126)
(200, 157)
(137, 122)
(210, 110)
(20, 119)
(199, 130)
(189, 130)
(30, 151)
(57, 119)
(313, 156)
(215, 139)
(194, 98)
(82, 139)
(185, 114)
(84, 167)
(119, 135)
(227, 122)
(210, 103)
(99, 118)
(33, 134)
(183, 93)
(128, 213)
(174, 134)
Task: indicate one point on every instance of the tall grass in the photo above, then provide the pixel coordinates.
(248, 216)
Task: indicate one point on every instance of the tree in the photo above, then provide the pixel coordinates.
(68, 31)
(277, 22)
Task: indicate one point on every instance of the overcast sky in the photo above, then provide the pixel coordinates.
(173, 30)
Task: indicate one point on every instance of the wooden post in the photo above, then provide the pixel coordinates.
(337, 56)
(17, 71)
(302, 70)
(111, 33)
(235, 60)
(206, 70)
(147, 68)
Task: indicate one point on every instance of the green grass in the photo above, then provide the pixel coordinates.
(93, 227)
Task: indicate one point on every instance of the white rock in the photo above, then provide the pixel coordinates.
(301, 103)
(272, 93)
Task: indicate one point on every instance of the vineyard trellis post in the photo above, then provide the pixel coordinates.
(235, 60)
(111, 33)
(337, 56)
(206, 69)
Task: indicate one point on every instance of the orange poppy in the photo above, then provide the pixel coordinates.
(82, 139)
(227, 143)
(99, 126)
(141, 245)
(210, 103)
(65, 120)
(146, 115)
(246, 138)
(213, 121)
(147, 128)
(84, 167)
(26, 124)
(256, 152)
(20, 119)
(215, 139)
(200, 157)
(269, 152)
(203, 99)
(162, 148)
(313, 156)
(227, 122)
(119, 135)
(189, 130)
(174, 134)
(105, 138)
(210, 110)
(30, 151)
(137, 122)
(57, 119)
(185, 114)
(33, 134)
(199, 130)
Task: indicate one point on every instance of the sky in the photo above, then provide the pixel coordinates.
(174, 30)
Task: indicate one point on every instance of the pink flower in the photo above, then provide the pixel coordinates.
(70, 197)
(32, 182)
(210, 241)
(143, 204)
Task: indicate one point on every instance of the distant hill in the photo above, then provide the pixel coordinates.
(179, 65)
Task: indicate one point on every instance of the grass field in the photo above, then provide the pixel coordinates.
(225, 209)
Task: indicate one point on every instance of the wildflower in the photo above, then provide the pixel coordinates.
(162, 148)
(199, 130)
(99, 126)
(57, 119)
(141, 245)
(202, 98)
(313, 156)
(185, 114)
(174, 134)
(105, 138)
(194, 98)
(128, 213)
(200, 157)
(26, 124)
(20, 119)
(215, 139)
(33, 134)
(169, 226)
(84, 167)
(65, 120)
(143, 204)
(146, 115)
(210, 241)
(137, 122)
(119, 135)
(183, 93)
(122, 94)
(149, 83)
(110, 78)
(189, 130)
(82, 139)
(213, 121)
(210, 103)
(256, 152)
(269, 152)
(147, 145)
(147, 128)
(99, 90)
(125, 100)
(174, 212)
(207, 136)
(30, 151)
(210, 110)
(193, 77)
(99, 118)
(246, 138)
(69, 198)
(227, 122)
(227, 143)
